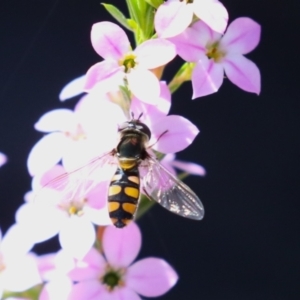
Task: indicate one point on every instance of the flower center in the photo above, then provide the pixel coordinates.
(74, 207)
(187, 1)
(214, 52)
(75, 210)
(77, 135)
(113, 278)
(128, 62)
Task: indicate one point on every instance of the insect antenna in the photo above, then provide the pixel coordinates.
(132, 116)
(140, 116)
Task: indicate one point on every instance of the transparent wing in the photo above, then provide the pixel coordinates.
(170, 192)
(78, 183)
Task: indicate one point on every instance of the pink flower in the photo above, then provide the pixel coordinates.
(213, 54)
(121, 63)
(74, 88)
(18, 269)
(115, 276)
(170, 163)
(75, 137)
(174, 16)
(169, 133)
(71, 215)
(53, 268)
(3, 159)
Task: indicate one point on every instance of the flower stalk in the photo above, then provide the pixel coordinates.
(126, 102)
(183, 74)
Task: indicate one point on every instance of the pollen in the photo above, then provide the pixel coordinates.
(128, 61)
(214, 52)
(75, 209)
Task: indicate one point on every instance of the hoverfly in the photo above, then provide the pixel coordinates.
(134, 171)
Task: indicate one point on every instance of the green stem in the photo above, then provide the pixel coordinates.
(182, 75)
(144, 206)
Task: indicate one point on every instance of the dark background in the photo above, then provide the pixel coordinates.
(247, 246)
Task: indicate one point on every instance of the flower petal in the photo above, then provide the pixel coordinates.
(91, 290)
(121, 246)
(45, 178)
(77, 236)
(92, 266)
(105, 74)
(73, 88)
(213, 13)
(151, 112)
(16, 242)
(164, 104)
(205, 33)
(242, 72)
(154, 53)
(80, 153)
(45, 153)
(168, 165)
(172, 18)
(96, 198)
(20, 274)
(92, 112)
(3, 159)
(190, 45)
(109, 40)
(52, 264)
(144, 85)
(191, 168)
(59, 288)
(169, 162)
(37, 218)
(207, 77)
(99, 216)
(151, 277)
(124, 293)
(179, 133)
(57, 120)
(242, 36)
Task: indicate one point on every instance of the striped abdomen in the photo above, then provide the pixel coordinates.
(123, 196)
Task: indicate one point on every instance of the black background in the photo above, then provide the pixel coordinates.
(247, 246)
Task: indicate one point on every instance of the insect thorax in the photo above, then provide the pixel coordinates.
(131, 150)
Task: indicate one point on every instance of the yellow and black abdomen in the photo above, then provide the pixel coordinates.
(123, 196)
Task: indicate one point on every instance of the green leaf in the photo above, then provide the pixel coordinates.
(143, 14)
(32, 294)
(132, 24)
(149, 22)
(118, 15)
(133, 10)
(155, 3)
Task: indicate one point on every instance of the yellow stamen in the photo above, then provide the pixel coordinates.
(128, 61)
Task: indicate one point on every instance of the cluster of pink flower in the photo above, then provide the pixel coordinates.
(127, 82)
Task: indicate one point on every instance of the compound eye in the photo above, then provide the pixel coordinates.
(123, 126)
(144, 129)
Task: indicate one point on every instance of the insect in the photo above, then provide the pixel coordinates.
(135, 171)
